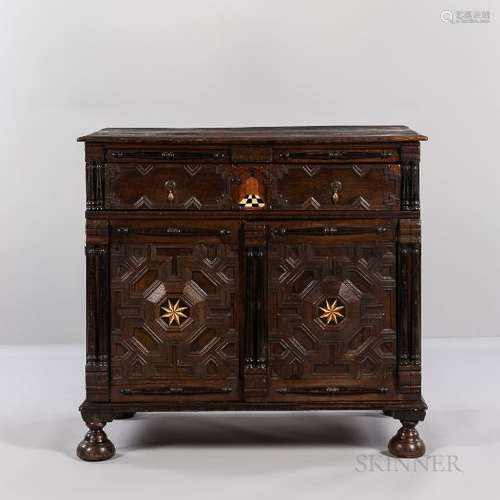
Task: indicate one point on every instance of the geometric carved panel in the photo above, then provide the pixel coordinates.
(168, 186)
(148, 347)
(362, 187)
(358, 350)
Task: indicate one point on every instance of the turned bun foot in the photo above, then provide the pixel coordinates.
(407, 442)
(95, 446)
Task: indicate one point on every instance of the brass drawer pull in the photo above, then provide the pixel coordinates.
(170, 186)
(336, 190)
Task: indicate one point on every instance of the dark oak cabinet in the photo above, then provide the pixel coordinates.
(253, 269)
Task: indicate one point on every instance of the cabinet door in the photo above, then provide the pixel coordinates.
(331, 310)
(174, 311)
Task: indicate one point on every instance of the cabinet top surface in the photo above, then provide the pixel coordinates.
(261, 135)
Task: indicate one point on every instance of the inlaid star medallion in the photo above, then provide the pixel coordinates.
(174, 313)
(332, 313)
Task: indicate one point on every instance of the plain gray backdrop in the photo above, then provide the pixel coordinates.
(70, 68)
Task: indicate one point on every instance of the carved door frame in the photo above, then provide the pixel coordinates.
(175, 311)
(367, 250)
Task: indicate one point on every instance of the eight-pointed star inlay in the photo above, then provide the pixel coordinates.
(332, 313)
(174, 312)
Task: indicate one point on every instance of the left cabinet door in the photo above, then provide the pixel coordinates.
(175, 311)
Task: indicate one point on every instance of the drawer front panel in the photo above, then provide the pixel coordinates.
(337, 154)
(168, 186)
(166, 154)
(332, 310)
(174, 312)
(339, 187)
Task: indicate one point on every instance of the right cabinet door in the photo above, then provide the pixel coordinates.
(332, 310)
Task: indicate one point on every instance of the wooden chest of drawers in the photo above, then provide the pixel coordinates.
(253, 269)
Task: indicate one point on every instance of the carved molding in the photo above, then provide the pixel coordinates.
(332, 391)
(283, 230)
(171, 231)
(169, 155)
(328, 155)
(94, 170)
(174, 391)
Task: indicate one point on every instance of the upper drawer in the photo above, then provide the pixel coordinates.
(165, 154)
(337, 154)
(365, 186)
(167, 186)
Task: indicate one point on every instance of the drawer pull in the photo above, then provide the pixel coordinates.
(333, 391)
(172, 231)
(170, 186)
(336, 190)
(327, 231)
(174, 391)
